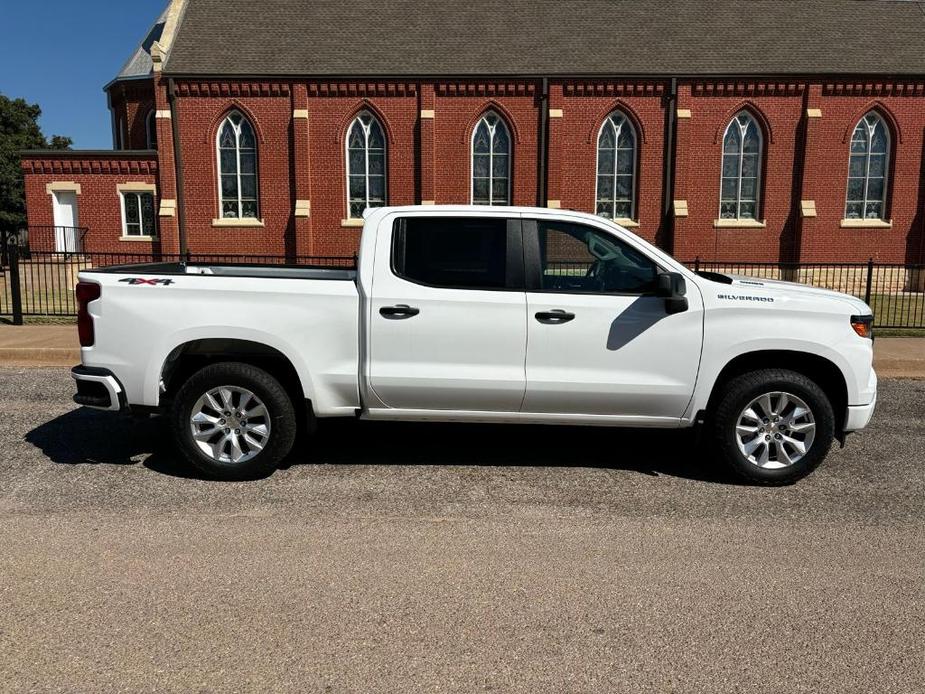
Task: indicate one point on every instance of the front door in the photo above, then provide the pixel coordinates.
(66, 221)
(448, 315)
(599, 342)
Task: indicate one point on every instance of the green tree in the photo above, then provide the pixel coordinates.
(19, 130)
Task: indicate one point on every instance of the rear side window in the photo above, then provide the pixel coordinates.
(460, 253)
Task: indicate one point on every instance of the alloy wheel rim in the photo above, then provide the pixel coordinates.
(230, 424)
(775, 430)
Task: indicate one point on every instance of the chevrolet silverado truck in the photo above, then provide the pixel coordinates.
(478, 314)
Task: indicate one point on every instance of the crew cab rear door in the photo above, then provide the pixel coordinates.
(599, 341)
(447, 325)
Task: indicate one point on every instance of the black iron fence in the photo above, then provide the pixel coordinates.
(40, 283)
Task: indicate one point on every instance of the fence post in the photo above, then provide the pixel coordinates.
(4, 257)
(870, 280)
(15, 288)
(697, 264)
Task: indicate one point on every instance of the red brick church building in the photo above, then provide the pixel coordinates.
(726, 129)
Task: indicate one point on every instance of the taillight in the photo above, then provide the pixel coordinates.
(86, 292)
(863, 325)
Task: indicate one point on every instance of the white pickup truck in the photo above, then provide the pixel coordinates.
(476, 314)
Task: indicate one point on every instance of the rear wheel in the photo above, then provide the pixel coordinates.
(773, 426)
(233, 421)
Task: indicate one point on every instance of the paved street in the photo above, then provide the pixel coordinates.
(453, 558)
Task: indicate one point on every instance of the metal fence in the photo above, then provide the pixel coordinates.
(40, 283)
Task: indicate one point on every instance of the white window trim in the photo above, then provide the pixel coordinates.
(880, 221)
(137, 189)
(491, 158)
(758, 181)
(385, 161)
(237, 151)
(630, 221)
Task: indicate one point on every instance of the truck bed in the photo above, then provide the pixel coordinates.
(306, 272)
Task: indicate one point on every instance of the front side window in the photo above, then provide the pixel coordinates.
(237, 163)
(578, 259)
(138, 214)
(365, 164)
(741, 168)
(616, 168)
(491, 162)
(461, 253)
(867, 167)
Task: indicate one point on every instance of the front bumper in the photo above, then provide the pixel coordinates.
(859, 416)
(98, 388)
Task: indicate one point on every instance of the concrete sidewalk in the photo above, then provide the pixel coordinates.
(56, 345)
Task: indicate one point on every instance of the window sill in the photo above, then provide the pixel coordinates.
(867, 224)
(237, 222)
(146, 239)
(627, 222)
(351, 223)
(739, 224)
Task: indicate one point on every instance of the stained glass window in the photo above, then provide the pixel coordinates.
(138, 214)
(366, 165)
(741, 177)
(616, 168)
(868, 163)
(237, 168)
(491, 162)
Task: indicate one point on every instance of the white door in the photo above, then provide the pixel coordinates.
(599, 342)
(66, 221)
(448, 315)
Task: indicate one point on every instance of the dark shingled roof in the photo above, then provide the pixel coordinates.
(549, 37)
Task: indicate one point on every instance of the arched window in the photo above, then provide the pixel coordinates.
(741, 168)
(867, 167)
(491, 162)
(616, 168)
(366, 164)
(151, 130)
(237, 168)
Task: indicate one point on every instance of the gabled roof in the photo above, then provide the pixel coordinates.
(549, 37)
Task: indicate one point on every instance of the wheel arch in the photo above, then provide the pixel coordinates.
(824, 372)
(191, 356)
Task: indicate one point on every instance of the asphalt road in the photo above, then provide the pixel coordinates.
(401, 558)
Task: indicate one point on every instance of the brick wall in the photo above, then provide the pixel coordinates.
(98, 203)
(805, 159)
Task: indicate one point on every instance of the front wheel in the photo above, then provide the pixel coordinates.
(233, 421)
(773, 426)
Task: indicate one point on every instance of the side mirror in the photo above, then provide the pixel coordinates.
(673, 289)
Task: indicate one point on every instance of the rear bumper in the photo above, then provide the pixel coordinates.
(98, 388)
(859, 416)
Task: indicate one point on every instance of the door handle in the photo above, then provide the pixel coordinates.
(399, 312)
(555, 317)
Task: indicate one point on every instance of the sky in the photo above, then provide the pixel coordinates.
(61, 53)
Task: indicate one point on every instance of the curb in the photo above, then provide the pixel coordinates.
(39, 356)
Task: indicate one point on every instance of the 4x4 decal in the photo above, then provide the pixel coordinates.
(141, 280)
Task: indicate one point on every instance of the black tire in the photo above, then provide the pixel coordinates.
(280, 413)
(742, 390)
